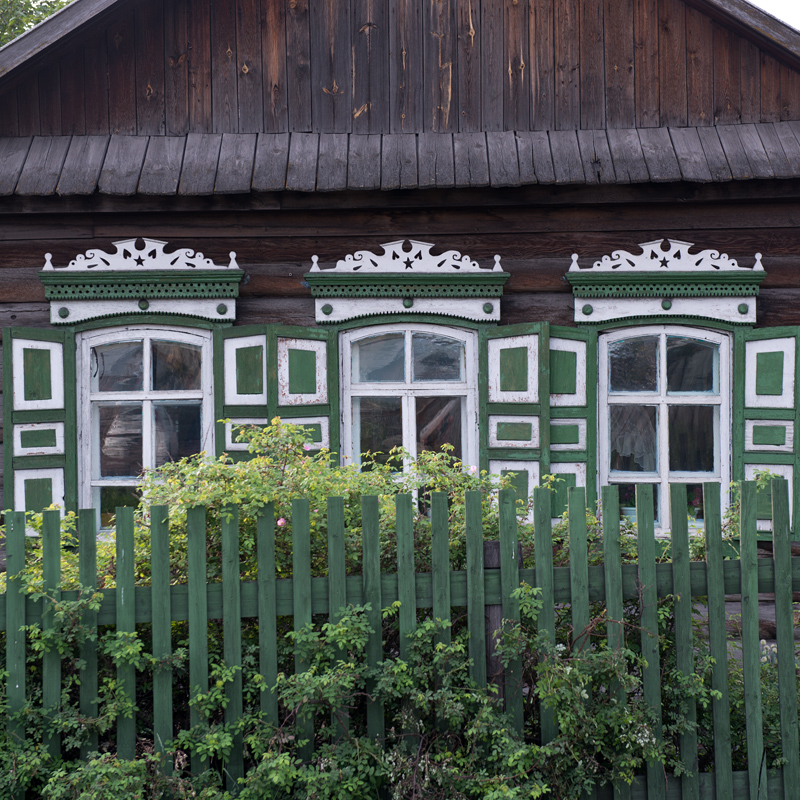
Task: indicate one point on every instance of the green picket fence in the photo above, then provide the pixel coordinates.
(441, 590)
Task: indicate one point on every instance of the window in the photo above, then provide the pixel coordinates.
(664, 410)
(409, 385)
(145, 399)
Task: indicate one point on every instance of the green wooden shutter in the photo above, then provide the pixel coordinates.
(573, 413)
(39, 419)
(514, 403)
(765, 417)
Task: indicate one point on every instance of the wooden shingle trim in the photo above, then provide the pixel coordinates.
(691, 158)
(13, 154)
(43, 165)
(200, 159)
(82, 165)
(236, 162)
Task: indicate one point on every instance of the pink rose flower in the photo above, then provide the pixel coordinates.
(281, 522)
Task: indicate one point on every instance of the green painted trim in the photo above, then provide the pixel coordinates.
(38, 437)
(483, 400)
(334, 417)
(516, 454)
(43, 415)
(568, 456)
(661, 319)
(778, 332)
(249, 375)
(513, 369)
(8, 407)
(564, 434)
(768, 458)
(794, 533)
(569, 412)
(769, 413)
(514, 431)
(36, 374)
(39, 462)
(737, 406)
(769, 373)
(514, 408)
(427, 319)
(38, 493)
(272, 369)
(218, 375)
(296, 332)
(35, 334)
(61, 277)
(321, 410)
(302, 368)
(558, 503)
(175, 320)
(330, 284)
(519, 483)
(244, 411)
(654, 283)
(563, 372)
(770, 435)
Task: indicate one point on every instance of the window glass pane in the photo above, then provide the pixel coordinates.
(377, 425)
(438, 423)
(120, 439)
(112, 497)
(691, 438)
(633, 365)
(437, 358)
(694, 501)
(632, 438)
(177, 431)
(379, 358)
(117, 367)
(627, 501)
(176, 367)
(691, 365)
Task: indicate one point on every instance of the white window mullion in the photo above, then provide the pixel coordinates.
(148, 434)
(409, 406)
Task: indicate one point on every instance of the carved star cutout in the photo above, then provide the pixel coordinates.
(408, 263)
(139, 261)
(664, 262)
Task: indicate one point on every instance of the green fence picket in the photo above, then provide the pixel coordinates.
(15, 621)
(440, 562)
(162, 630)
(406, 580)
(51, 659)
(787, 678)
(475, 588)
(751, 647)
(232, 635)
(87, 576)
(651, 678)
(198, 617)
(578, 566)
(267, 612)
(337, 586)
(717, 640)
(126, 623)
(301, 602)
(543, 550)
(684, 634)
(371, 556)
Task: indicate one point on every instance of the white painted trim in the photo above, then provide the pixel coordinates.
(320, 348)
(346, 308)
(725, 309)
(787, 447)
(323, 422)
(531, 394)
(576, 468)
(494, 441)
(82, 310)
(582, 434)
(56, 350)
(786, 345)
(531, 467)
(232, 446)
(56, 450)
(785, 471)
(56, 475)
(580, 349)
(230, 346)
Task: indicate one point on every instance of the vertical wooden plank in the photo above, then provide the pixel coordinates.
(370, 44)
(267, 612)
(592, 53)
(176, 68)
(727, 76)
(787, 679)
(298, 63)
(567, 66)
(223, 67)
(121, 75)
(337, 583)
(406, 581)
(699, 67)
(469, 66)
(439, 61)
(516, 96)
(15, 621)
(248, 66)
(492, 77)
(72, 96)
(543, 550)
(198, 616)
(790, 93)
(370, 549)
(28, 107)
(9, 122)
(475, 587)
(717, 640)
(331, 80)
(273, 55)
(232, 635)
(684, 642)
(509, 583)
(51, 659)
(578, 567)
(162, 630)
(405, 66)
(95, 71)
(651, 679)
(301, 596)
(149, 40)
(87, 576)
(770, 94)
(126, 623)
(440, 561)
(543, 59)
(750, 82)
(751, 647)
(50, 100)
(198, 26)
(672, 87)
(620, 97)
(646, 49)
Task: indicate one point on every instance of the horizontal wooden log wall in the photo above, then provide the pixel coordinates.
(367, 66)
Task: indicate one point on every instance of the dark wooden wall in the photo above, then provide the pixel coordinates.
(367, 66)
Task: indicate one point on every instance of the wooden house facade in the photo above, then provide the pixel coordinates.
(242, 209)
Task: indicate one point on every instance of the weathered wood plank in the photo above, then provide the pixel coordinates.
(332, 165)
(542, 45)
(598, 166)
(28, 107)
(790, 93)
(774, 150)
(95, 72)
(331, 79)
(439, 59)
(162, 165)
(272, 158)
(249, 84)
(791, 147)
(236, 161)
(567, 163)
(122, 165)
(727, 76)
(754, 150)
(468, 45)
(200, 163)
(364, 161)
(750, 82)
(13, 152)
(689, 152)
(224, 77)
(672, 86)
(659, 155)
(399, 161)
(516, 92)
(273, 66)
(620, 90)
(503, 160)
(82, 165)
(370, 44)
(770, 94)
(405, 66)
(626, 153)
(435, 161)
(471, 160)
(542, 157)
(43, 165)
(9, 120)
(700, 67)
(176, 69)
(567, 66)
(524, 142)
(72, 95)
(121, 76)
(492, 77)
(645, 32)
(149, 57)
(50, 100)
(198, 27)
(592, 60)
(301, 175)
(715, 154)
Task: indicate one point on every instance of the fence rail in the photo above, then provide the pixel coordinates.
(441, 590)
